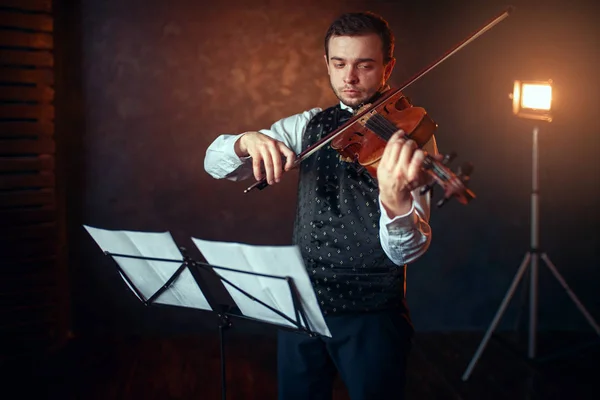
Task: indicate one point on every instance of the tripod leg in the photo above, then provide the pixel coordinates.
(572, 295)
(498, 316)
(533, 303)
(523, 297)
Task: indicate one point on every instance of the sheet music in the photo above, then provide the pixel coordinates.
(149, 276)
(273, 260)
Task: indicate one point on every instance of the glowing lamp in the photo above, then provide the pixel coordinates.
(532, 99)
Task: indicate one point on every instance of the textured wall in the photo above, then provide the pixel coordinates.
(163, 78)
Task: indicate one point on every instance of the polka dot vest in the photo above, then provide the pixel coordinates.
(337, 229)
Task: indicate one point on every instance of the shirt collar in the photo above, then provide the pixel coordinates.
(347, 108)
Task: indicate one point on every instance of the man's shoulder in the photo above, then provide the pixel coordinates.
(307, 115)
(331, 108)
(320, 112)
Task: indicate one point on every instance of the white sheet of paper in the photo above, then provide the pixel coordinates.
(148, 276)
(272, 260)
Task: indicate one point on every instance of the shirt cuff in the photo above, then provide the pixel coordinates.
(231, 158)
(408, 220)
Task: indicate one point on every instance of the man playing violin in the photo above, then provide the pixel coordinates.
(356, 234)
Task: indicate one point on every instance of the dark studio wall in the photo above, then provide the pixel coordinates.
(161, 79)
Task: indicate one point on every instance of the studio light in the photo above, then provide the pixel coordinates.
(531, 100)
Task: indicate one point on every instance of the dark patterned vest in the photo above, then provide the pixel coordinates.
(337, 229)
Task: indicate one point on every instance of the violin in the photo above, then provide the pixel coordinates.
(362, 139)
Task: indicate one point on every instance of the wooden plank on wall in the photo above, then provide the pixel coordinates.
(27, 111)
(32, 273)
(15, 297)
(26, 129)
(27, 164)
(16, 249)
(40, 93)
(29, 264)
(18, 329)
(26, 58)
(27, 198)
(32, 76)
(28, 311)
(29, 5)
(24, 326)
(34, 22)
(29, 181)
(29, 232)
(42, 41)
(29, 337)
(25, 146)
(20, 217)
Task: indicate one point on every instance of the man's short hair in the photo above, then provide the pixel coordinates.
(362, 23)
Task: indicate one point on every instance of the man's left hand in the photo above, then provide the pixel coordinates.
(399, 173)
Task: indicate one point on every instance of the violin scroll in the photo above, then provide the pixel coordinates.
(454, 184)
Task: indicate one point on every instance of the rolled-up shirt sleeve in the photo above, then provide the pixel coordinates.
(221, 161)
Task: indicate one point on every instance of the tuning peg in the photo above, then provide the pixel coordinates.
(448, 158)
(425, 189)
(442, 201)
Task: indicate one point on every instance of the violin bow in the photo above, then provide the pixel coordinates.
(322, 142)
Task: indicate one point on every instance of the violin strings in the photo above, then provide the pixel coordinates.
(385, 129)
(381, 126)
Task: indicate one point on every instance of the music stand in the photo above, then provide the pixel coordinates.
(190, 268)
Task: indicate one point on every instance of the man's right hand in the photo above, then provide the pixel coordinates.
(265, 151)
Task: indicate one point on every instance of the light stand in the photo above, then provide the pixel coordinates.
(533, 256)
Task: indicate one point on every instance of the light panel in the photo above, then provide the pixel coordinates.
(532, 99)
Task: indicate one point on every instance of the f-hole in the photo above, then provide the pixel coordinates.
(355, 133)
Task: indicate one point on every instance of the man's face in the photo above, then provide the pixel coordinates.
(355, 67)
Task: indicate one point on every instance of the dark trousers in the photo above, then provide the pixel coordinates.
(369, 351)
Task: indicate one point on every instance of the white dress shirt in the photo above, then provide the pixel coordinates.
(404, 238)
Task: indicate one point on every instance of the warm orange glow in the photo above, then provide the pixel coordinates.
(536, 96)
(532, 99)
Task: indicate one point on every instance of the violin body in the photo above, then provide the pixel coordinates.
(364, 141)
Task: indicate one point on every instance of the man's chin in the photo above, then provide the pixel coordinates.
(351, 102)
